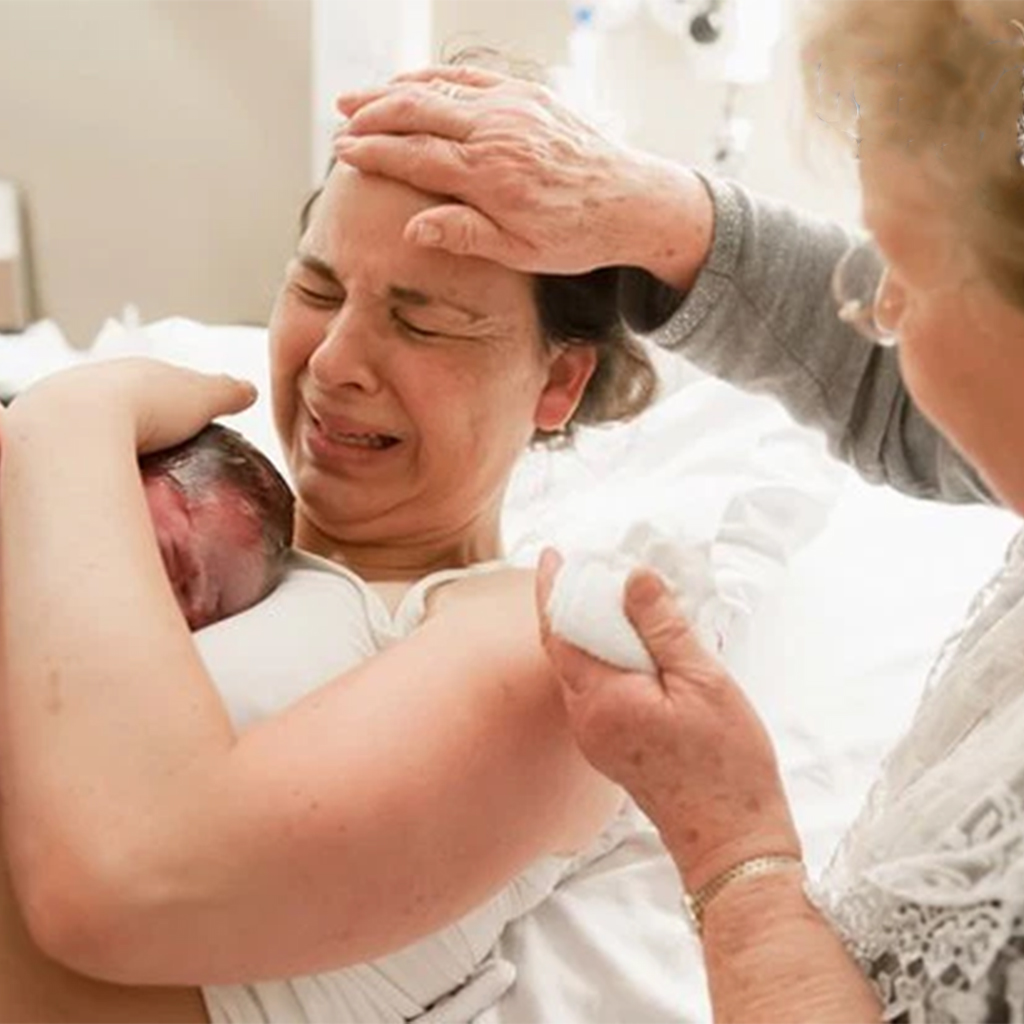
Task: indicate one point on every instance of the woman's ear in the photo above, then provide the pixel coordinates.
(568, 375)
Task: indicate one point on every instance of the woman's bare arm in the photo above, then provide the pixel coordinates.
(149, 844)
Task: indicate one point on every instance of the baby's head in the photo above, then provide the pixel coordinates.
(223, 517)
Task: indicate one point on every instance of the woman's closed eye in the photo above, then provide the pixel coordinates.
(321, 297)
(418, 332)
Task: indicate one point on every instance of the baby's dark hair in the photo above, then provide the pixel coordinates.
(219, 457)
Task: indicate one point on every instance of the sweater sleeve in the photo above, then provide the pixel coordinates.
(761, 316)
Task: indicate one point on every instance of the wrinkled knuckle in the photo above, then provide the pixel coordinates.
(517, 191)
(464, 236)
(468, 158)
(418, 145)
(672, 632)
(407, 104)
(493, 154)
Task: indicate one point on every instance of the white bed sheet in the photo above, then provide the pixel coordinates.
(849, 591)
(835, 659)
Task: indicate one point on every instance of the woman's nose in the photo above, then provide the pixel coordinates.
(347, 356)
(890, 304)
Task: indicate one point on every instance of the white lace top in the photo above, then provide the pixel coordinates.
(927, 888)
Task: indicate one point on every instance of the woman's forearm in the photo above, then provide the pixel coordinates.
(149, 845)
(101, 723)
(771, 956)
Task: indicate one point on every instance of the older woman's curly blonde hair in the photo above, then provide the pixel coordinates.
(940, 78)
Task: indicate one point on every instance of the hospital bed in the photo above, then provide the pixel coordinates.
(839, 594)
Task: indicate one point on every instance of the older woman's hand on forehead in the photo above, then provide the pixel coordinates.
(537, 188)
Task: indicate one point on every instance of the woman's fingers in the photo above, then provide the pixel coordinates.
(465, 231)
(437, 165)
(439, 78)
(547, 569)
(668, 636)
(415, 109)
(347, 103)
(685, 744)
(581, 674)
(232, 395)
(171, 403)
(423, 161)
(459, 74)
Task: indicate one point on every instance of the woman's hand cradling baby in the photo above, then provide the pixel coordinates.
(164, 404)
(686, 744)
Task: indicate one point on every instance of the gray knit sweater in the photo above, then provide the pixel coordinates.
(761, 315)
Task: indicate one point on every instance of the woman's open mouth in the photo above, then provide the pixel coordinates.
(338, 438)
(359, 440)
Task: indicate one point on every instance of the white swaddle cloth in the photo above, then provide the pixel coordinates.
(586, 602)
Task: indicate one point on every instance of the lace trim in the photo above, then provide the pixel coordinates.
(964, 964)
(975, 616)
(935, 915)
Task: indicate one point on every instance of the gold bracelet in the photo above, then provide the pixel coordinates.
(697, 903)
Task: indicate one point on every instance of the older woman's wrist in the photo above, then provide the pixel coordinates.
(671, 224)
(765, 893)
(703, 851)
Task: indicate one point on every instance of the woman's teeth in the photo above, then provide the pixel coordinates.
(361, 440)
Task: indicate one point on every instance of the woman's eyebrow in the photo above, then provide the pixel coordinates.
(397, 293)
(318, 266)
(412, 297)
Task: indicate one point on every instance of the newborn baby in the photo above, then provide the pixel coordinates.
(223, 517)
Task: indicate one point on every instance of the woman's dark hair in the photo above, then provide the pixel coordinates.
(583, 309)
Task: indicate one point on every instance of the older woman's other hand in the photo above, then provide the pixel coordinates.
(686, 744)
(536, 188)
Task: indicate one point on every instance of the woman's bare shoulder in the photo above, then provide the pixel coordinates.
(505, 586)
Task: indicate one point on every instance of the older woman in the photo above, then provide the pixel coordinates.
(164, 831)
(926, 890)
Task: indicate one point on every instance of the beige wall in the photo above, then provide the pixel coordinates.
(533, 30)
(163, 150)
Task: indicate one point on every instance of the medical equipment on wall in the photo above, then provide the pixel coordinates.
(727, 42)
(730, 42)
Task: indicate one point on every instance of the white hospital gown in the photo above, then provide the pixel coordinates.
(320, 622)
